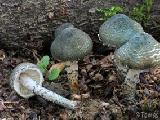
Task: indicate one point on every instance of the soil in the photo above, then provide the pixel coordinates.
(99, 83)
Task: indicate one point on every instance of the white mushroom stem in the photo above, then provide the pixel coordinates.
(131, 80)
(47, 94)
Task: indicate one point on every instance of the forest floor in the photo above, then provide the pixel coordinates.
(99, 81)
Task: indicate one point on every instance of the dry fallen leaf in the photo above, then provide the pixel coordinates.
(59, 66)
(80, 97)
(2, 55)
(98, 77)
(64, 115)
(106, 61)
(155, 72)
(2, 106)
(50, 15)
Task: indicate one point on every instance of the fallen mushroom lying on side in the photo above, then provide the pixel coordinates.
(139, 53)
(26, 79)
(117, 30)
(70, 45)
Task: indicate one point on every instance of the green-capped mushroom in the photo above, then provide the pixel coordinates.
(140, 53)
(118, 29)
(70, 45)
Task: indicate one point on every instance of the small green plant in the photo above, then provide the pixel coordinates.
(43, 63)
(109, 12)
(53, 72)
(142, 13)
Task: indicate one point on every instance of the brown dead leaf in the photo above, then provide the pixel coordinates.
(2, 55)
(80, 97)
(2, 106)
(50, 15)
(155, 72)
(59, 66)
(89, 66)
(106, 61)
(112, 78)
(64, 115)
(98, 77)
(87, 59)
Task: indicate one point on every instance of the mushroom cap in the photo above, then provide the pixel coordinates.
(118, 29)
(71, 44)
(141, 52)
(32, 71)
(61, 28)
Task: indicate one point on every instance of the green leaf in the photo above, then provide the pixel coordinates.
(43, 63)
(54, 74)
(42, 68)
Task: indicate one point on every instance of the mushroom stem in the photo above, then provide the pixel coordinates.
(131, 80)
(72, 74)
(47, 94)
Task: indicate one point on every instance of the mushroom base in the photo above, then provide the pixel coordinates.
(72, 74)
(129, 85)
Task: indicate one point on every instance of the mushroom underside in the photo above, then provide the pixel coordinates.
(29, 69)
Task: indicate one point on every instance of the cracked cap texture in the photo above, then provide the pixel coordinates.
(141, 52)
(71, 44)
(118, 29)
